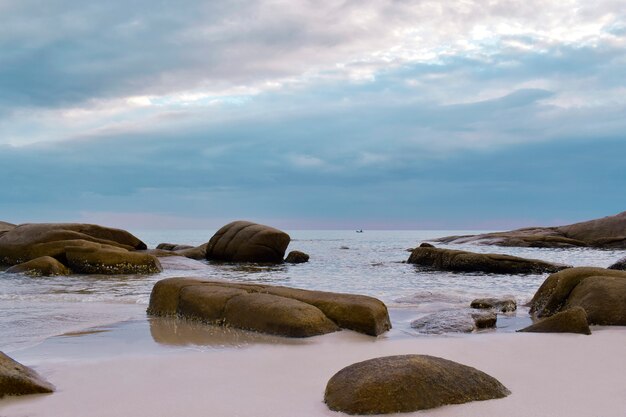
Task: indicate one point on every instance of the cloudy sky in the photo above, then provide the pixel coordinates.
(312, 114)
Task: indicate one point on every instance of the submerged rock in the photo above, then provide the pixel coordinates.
(455, 321)
(43, 266)
(462, 261)
(504, 305)
(17, 379)
(600, 292)
(243, 241)
(296, 257)
(276, 310)
(573, 320)
(607, 232)
(405, 383)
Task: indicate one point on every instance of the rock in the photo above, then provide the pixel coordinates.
(5, 227)
(243, 241)
(172, 246)
(277, 310)
(573, 320)
(601, 292)
(43, 266)
(17, 379)
(454, 321)
(30, 241)
(111, 261)
(462, 261)
(405, 383)
(426, 245)
(619, 265)
(297, 257)
(198, 252)
(607, 232)
(504, 305)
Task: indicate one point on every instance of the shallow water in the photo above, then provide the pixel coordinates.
(32, 309)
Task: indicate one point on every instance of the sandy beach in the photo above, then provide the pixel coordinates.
(181, 371)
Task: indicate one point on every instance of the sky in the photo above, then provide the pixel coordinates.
(373, 114)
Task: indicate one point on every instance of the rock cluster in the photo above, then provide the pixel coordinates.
(406, 383)
(17, 379)
(600, 292)
(268, 309)
(607, 232)
(462, 261)
(56, 248)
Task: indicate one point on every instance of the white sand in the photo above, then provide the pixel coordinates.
(550, 376)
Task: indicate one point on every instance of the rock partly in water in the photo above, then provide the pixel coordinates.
(296, 257)
(30, 241)
(462, 261)
(406, 383)
(601, 292)
(43, 266)
(277, 310)
(111, 261)
(619, 265)
(503, 305)
(172, 246)
(607, 232)
(455, 321)
(17, 379)
(426, 245)
(243, 241)
(573, 320)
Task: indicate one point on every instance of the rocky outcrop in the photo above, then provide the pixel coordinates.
(43, 266)
(455, 321)
(503, 305)
(30, 241)
(17, 379)
(573, 320)
(269, 309)
(296, 257)
(462, 261)
(243, 241)
(600, 292)
(619, 265)
(607, 232)
(406, 383)
(110, 261)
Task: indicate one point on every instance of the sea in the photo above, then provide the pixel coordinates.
(372, 262)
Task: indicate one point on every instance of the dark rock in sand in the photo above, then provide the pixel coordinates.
(573, 320)
(406, 383)
(607, 232)
(619, 265)
(243, 241)
(601, 292)
(43, 266)
(455, 321)
(30, 241)
(504, 305)
(264, 308)
(296, 257)
(462, 261)
(111, 261)
(17, 379)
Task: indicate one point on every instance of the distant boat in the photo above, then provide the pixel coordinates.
(360, 231)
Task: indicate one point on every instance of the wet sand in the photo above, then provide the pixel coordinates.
(166, 368)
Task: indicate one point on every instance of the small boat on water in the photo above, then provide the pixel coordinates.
(360, 231)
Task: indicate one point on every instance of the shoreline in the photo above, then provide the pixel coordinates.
(166, 368)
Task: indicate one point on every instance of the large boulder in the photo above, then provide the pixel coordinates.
(462, 261)
(607, 232)
(601, 292)
(268, 309)
(243, 241)
(406, 383)
(619, 265)
(110, 261)
(43, 266)
(573, 320)
(17, 379)
(29, 241)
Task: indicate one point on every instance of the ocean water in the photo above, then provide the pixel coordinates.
(372, 263)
